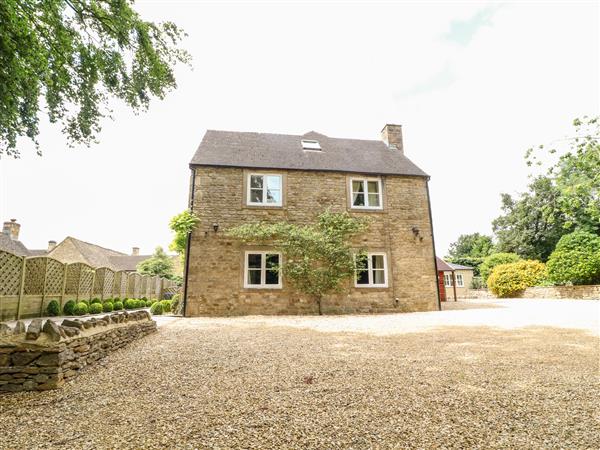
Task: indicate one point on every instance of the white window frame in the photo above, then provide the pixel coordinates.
(448, 282)
(366, 193)
(264, 202)
(370, 271)
(263, 270)
(311, 145)
(460, 282)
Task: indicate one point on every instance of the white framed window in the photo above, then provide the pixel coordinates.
(311, 145)
(459, 280)
(264, 189)
(366, 193)
(371, 270)
(261, 270)
(448, 280)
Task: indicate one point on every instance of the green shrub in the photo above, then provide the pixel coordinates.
(69, 308)
(116, 299)
(149, 303)
(130, 303)
(95, 308)
(494, 260)
(95, 300)
(157, 308)
(166, 305)
(144, 298)
(107, 307)
(139, 303)
(81, 309)
(175, 304)
(117, 305)
(576, 259)
(53, 308)
(506, 280)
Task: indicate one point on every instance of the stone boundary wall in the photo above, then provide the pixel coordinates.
(44, 357)
(585, 292)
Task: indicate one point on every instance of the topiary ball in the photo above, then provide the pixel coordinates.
(107, 307)
(117, 305)
(95, 300)
(81, 309)
(96, 308)
(156, 309)
(69, 308)
(130, 303)
(53, 308)
(166, 305)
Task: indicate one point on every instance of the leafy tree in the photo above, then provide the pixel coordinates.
(533, 223)
(182, 224)
(576, 259)
(470, 249)
(159, 264)
(494, 260)
(68, 57)
(318, 257)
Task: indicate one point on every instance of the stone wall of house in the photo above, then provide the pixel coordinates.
(216, 262)
(43, 357)
(589, 292)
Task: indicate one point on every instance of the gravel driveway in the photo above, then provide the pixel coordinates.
(360, 382)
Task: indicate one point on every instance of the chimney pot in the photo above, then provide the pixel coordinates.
(135, 251)
(51, 245)
(391, 135)
(12, 229)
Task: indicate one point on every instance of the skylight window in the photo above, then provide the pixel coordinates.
(311, 145)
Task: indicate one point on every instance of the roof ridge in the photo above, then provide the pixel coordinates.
(296, 135)
(96, 245)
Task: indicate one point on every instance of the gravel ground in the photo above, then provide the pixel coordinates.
(262, 383)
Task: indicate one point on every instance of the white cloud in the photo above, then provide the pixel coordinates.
(469, 111)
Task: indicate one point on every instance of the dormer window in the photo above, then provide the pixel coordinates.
(311, 145)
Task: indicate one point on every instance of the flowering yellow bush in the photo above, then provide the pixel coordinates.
(508, 279)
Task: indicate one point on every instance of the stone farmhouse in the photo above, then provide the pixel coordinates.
(72, 250)
(241, 177)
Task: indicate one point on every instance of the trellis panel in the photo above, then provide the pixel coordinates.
(55, 274)
(35, 271)
(109, 279)
(10, 273)
(85, 281)
(73, 272)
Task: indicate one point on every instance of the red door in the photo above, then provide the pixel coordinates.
(442, 286)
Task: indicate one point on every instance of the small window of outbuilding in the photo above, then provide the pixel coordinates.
(311, 145)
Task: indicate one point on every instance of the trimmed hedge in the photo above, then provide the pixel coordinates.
(576, 259)
(506, 280)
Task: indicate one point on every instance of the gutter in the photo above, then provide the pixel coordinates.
(437, 281)
(188, 244)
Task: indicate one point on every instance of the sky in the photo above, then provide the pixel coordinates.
(474, 84)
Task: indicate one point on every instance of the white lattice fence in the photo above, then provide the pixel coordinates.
(35, 273)
(11, 267)
(55, 277)
(109, 279)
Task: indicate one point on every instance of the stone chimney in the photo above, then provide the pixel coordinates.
(135, 251)
(51, 245)
(391, 135)
(12, 229)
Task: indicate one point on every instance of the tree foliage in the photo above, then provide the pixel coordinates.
(182, 224)
(317, 257)
(508, 279)
(159, 264)
(68, 57)
(576, 259)
(470, 249)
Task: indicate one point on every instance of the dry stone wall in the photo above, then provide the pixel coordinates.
(586, 292)
(44, 356)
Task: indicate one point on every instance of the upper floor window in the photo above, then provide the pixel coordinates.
(262, 270)
(366, 193)
(311, 145)
(264, 189)
(371, 270)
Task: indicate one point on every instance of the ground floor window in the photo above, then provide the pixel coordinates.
(459, 280)
(448, 280)
(371, 270)
(262, 270)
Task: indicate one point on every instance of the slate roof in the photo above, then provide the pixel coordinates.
(128, 262)
(448, 267)
(460, 267)
(284, 151)
(10, 245)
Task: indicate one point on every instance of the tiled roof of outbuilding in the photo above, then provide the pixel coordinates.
(284, 151)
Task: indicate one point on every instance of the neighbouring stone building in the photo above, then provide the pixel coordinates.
(454, 280)
(240, 177)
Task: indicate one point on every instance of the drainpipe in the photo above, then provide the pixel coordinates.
(437, 281)
(188, 245)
